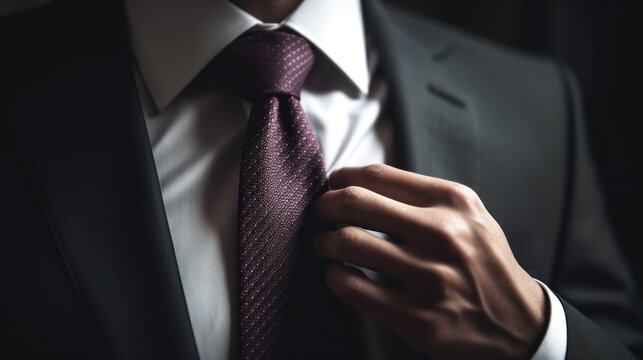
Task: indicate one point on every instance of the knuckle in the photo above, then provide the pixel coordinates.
(349, 286)
(374, 172)
(455, 228)
(459, 238)
(349, 240)
(466, 253)
(352, 196)
(442, 280)
(463, 196)
(447, 274)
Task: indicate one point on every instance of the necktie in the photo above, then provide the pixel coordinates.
(286, 312)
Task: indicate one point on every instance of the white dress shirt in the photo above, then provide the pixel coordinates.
(196, 130)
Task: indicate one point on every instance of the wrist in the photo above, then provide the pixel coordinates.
(538, 309)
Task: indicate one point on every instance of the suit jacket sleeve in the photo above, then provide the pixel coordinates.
(591, 272)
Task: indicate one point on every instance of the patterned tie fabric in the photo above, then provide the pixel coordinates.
(286, 311)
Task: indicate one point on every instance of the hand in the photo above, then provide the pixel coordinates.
(462, 293)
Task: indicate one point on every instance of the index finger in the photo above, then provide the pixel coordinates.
(403, 186)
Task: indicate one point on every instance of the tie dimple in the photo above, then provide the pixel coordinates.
(265, 63)
(286, 311)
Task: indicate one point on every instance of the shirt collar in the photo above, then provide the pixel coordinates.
(173, 40)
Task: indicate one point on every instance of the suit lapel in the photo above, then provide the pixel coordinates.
(437, 132)
(81, 129)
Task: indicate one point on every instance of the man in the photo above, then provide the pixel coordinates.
(125, 156)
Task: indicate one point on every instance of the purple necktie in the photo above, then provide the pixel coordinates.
(286, 311)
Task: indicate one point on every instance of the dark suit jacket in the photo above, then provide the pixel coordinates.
(89, 266)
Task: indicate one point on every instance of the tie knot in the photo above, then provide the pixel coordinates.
(263, 63)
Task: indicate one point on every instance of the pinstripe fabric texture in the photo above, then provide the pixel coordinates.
(286, 311)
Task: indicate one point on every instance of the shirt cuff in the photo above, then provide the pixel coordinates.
(554, 344)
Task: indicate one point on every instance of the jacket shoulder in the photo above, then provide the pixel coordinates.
(478, 61)
(510, 87)
(429, 31)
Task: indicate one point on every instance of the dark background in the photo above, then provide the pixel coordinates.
(602, 41)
